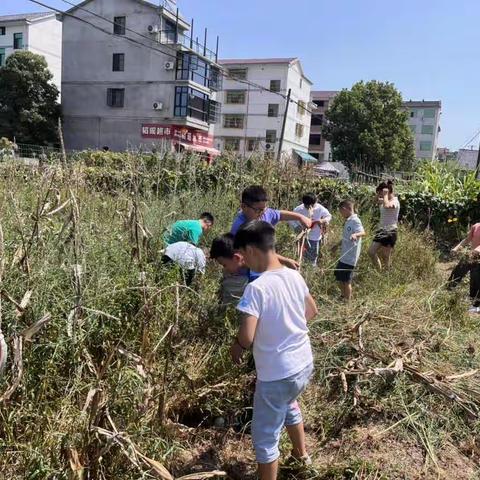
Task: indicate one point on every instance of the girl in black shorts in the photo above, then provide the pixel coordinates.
(386, 236)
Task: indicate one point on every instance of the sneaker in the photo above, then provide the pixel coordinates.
(295, 462)
(474, 309)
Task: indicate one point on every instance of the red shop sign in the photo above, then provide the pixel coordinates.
(190, 136)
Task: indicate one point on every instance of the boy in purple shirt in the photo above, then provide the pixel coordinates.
(254, 206)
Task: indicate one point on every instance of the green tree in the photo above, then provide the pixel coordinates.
(28, 100)
(367, 125)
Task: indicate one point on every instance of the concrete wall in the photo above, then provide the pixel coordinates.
(255, 109)
(45, 38)
(87, 74)
(6, 41)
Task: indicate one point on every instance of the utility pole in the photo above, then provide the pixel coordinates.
(477, 170)
(282, 135)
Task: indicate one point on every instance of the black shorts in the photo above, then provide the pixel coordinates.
(344, 272)
(386, 238)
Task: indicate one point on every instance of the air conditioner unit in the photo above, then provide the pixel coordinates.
(153, 29)
(169, 65)
(269, 146)
(157, 105)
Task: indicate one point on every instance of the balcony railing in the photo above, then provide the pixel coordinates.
(171, 37)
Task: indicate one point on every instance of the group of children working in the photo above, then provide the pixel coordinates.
(274, 300)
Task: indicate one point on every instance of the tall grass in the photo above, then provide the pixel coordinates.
(131, 361)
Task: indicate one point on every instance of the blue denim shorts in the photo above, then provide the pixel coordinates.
(275, 406)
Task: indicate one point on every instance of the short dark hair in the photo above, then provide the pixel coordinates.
(253, 194)
(256, 233)
(309, 199)
(222, 246)
(208, 217)
(388, 185)
(346, 204)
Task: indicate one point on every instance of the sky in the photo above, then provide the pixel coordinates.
(430, 49)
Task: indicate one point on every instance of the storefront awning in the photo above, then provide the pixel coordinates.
(306, 157)
(200, 149)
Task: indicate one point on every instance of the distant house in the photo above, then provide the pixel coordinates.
(467, 158)
(39, 33)
(252, 116)
(136, 78)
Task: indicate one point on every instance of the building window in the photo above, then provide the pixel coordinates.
(270, 136)
(231, 144)
(429, 113)
(413, 128)
(301, 82)
(119, 25)
(425, 146)
(214, 111)
(17, 41)
(273, 110)
(413, 113)
(252, 144)
(299, 130)
(233, 121)
(192, 103)
(316, 155)
(235, 96)
(315, 139)
(2, 57)
(275, 85)
(319, 103)
(118, 62)
(116, 97)
(301, 107)
(427, 129)
(192, 67)
(317, 119)
(238, 73)
(3, 31)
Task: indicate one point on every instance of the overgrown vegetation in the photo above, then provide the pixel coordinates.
(128, 373)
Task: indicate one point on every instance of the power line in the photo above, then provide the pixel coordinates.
(223, 72)
(468, 142)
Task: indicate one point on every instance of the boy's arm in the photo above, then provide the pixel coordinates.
(386, 202)
(286, 216)
(288, 262)
(355, 236)
(465, 241)
(245, 337)
(311, 310)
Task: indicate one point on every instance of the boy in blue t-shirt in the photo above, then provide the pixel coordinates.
(351, 244)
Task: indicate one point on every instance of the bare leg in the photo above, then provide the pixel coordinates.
(297, 437)
(385, 254)
(347, 291)
(268, 471)
(373, 254)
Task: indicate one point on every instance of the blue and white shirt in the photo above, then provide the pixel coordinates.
(351, 249)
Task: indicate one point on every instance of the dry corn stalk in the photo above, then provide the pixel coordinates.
(18, 367)
(29, 332)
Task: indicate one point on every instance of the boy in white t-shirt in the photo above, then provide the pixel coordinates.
(320, 218)
(275, 308)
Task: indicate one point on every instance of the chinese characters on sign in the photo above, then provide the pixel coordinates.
(180, 134)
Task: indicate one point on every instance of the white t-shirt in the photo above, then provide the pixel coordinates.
(281, 347)
(319, 212)
(389, 216)
(188, 256)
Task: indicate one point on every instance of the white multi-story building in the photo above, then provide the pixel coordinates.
(252, 117)
(39, 33)
(424, 121)
(132, 78)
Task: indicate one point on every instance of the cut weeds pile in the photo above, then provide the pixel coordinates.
(116, 371)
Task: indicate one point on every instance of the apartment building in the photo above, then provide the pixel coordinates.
(318, 147)
(136, 78)
(424, 121)
(253, 112)
(39, 33)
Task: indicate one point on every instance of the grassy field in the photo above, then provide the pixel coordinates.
(129, 376)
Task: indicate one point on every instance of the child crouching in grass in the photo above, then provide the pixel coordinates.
(275, 309)
(351, 244)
